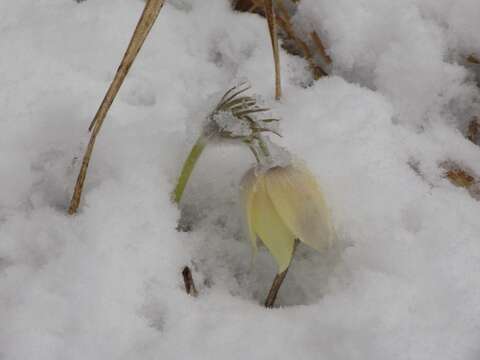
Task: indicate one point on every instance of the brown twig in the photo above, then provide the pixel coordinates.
(285, 22)
(188, 281)
(474, 60)
(272, 294)
(249, 5)
(149, 15)
(282, 9)
(277, 282)
(320, 47)
(317, 71)
(283, 18)
(473, 129)
(272, 28)
(298, 45)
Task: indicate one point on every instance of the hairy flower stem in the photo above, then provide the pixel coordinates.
(193, 157)
(188, 167)
(277, 283)
(259, 150)
(272, 294)
(264, 148)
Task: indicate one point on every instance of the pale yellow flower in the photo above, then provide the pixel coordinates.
(282, 204)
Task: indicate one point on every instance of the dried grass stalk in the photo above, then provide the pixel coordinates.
(283, 18)
(253, 6)
(473, 130)
(474, 60)
(272, 27)
(188, 282)
(149, 15)
(316, 69)
(298, 45)
(320, 47)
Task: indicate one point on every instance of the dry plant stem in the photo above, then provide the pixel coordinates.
(472, 59)
(272, 28)
(285, 22)
(277, 283)
(272, 294)
(287, 27)
(248, 5)
(320, 47)
(473, 129)
(253, 8)
(283, 11)
(149, 15)
(188, 281)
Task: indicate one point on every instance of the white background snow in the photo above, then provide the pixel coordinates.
(404, 281)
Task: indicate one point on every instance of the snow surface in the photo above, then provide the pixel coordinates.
(404, 281)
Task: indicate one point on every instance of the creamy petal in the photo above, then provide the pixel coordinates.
(299, 201)
(270, 228)
(248, 190)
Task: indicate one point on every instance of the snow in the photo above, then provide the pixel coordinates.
(402, 282)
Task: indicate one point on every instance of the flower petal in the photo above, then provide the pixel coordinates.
(270, 228)
(248, 191)
(298, 200)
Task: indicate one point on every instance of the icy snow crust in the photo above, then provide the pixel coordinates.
(106, 283)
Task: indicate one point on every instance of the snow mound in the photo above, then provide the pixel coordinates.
(403, 282)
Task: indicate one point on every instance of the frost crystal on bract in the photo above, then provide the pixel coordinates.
(242, 118)
(228, 124)
(238, 116)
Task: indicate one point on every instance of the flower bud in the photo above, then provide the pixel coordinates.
(282, 204)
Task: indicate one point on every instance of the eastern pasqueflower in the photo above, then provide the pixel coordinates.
(284, 204)
(283, 201)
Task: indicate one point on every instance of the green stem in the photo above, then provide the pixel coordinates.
(187, 169)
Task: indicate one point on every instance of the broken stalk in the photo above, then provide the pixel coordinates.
(149, 15)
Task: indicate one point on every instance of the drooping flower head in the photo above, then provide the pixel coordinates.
(283, 201)
(283, 204)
